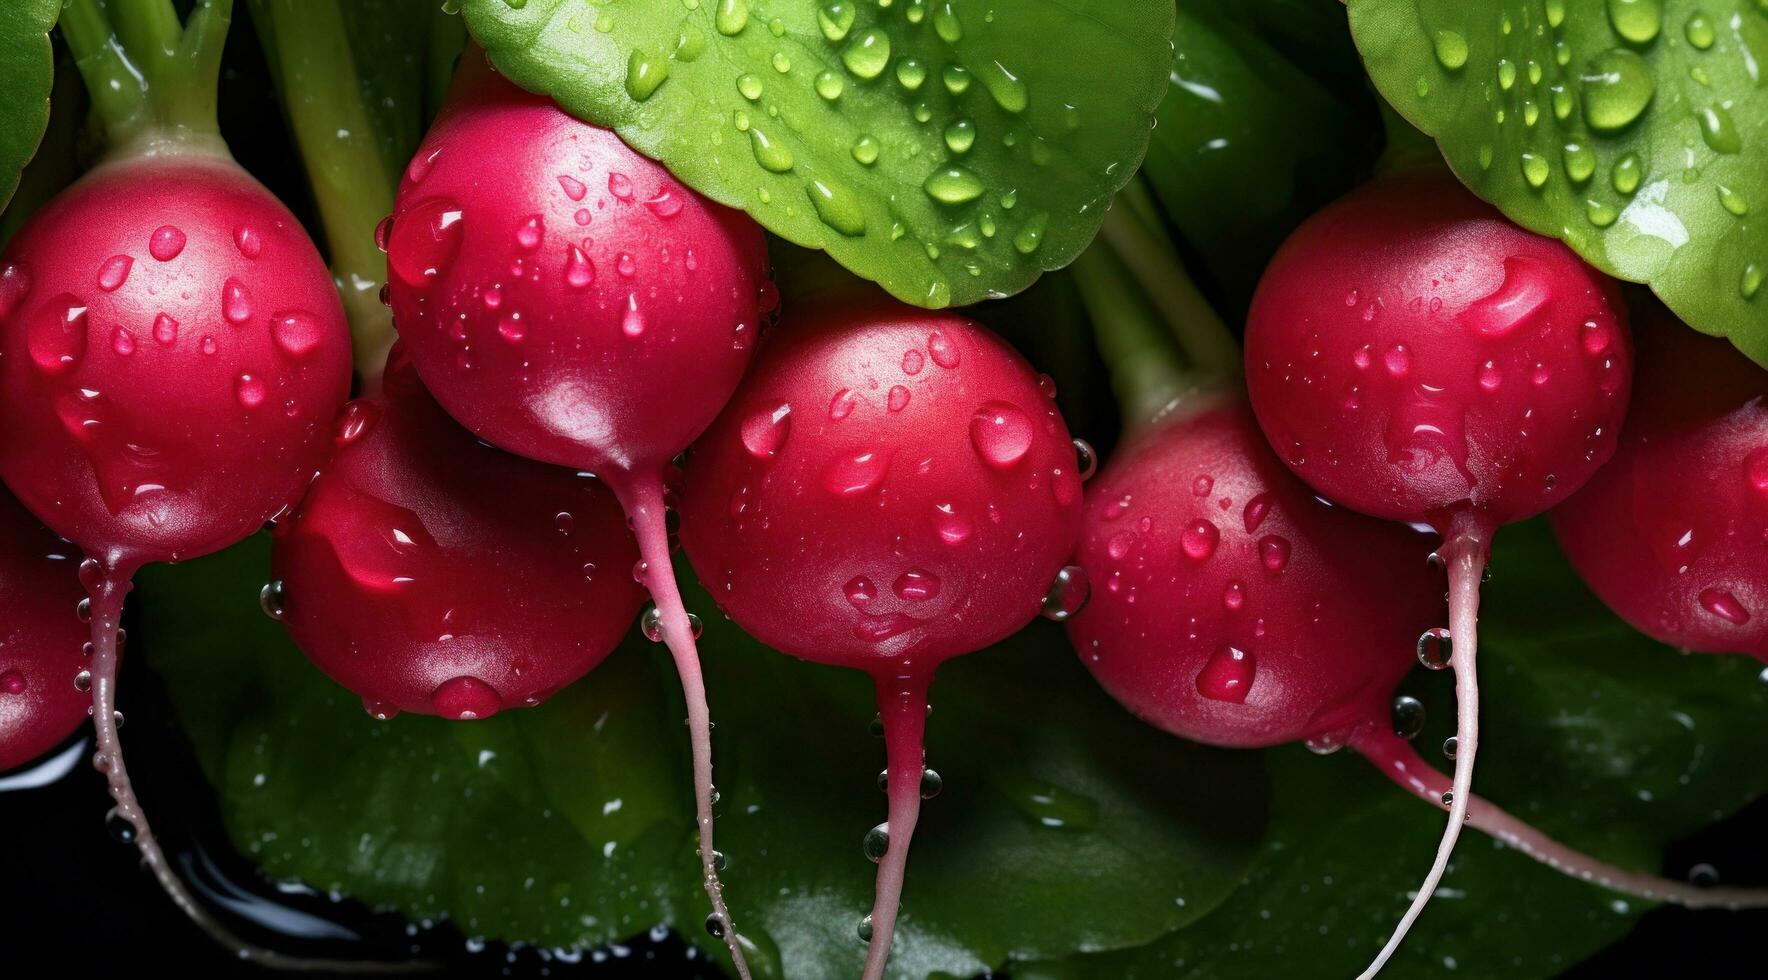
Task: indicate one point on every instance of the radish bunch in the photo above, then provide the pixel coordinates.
(172, 354)
(889, 488)
(569, 301)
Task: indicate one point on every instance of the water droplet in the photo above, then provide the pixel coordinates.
(1751, 283)
(931, 783)
(236, 303)
(837, 207)
(651, 624)
(644, 73)
(943, 351)
(123, 342)
(835, 20)
(1535, 169)
(850, 475)
(732, 16)
(1068, 594)
(1719, 129)
(956, 78)
(749, 86)
(1732, 201)
(297, 332)
(960, 136)
(773, 157)
(865, 928)
(910, 73)
(12, 682)
(1699, 31)
(250, 390)
(1086, 460)
(425, 241)
(898, 398)
(867, 54)
(465, 698)
(1273, 551)
(632, 322)
(56, 336)
(120, 828)
(251, 244)
(1638, 21)
(1451, 746)
(1001, 434)
(114, 272)
(1435, 648)
(165, 243)
(270, 599)
(763, 433)
(953, 185)
(1256, 509)
(1724, 605)
(1031, 233)
(715, 925)
(1006, 88)
(1397, 361)
(875, 845)
(579, 270)
(1227, 676)
(1451, 49)
(1579, 161)
(916, 585)
(83, 681)
(865, 150)
(830, 85)
(1408, 717)
(860, 591)
(1618, 86)
(1199, 540)
(841, 405)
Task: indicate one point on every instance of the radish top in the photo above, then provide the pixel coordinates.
(887, 484)
(1673, 532)
(561, 295)
(1411, 354)
(1219, 611)
(428, 572)
(173, 352)
(40, 638)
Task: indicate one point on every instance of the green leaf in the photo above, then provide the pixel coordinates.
(934, 146)
(1250, 143)
(1605, 739)
(27, 70)
(1634, 130)
(570, 823)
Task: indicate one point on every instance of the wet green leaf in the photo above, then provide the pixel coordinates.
(934, 146)
(27, 70)
(1634, 130)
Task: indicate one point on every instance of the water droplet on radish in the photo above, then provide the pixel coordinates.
(572, 187)
(1323, 744)
(56, 336)
(465, 699)
(1254, 513)
(250, 390)
(931, 784)
(1408, 717)
(875, 845)
(297, 332)
(1227, 676)
(1198, 540)
(916, 585)
(898, 398)
(579, 270)
(236, 303)
(383, 231)
(357, 418)
(632, 322)
(1274, 552)
(951, 526)
(943, 351)
(270, 599)
(251, 244)
(12, 682)
(379, 710)
(15, 282)
(83, 681)
(165, 329)
(665, 205)
(1086, 461)
(114, 272)
(1724, 605)
(123, 342)
(1435, 648)
(1526, 288)
(425, 241)
(165, 243)
(83, 610)
(848, 476)
(912, 361)
(1001, 434)
(763, 433)
(1234, 596)
(860, 591)
(1068, 594)
(530, 233)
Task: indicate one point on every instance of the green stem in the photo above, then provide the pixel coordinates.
(1156, 267)
(448, 39)
(1148, 373)
(152, 83)
(1136, 196)
(307, 42)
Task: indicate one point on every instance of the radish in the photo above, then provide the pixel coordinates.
(568, 300)
(1412, 355)
(888, 489)
(1684, 558)
(40, 638)
(173, 350)
(428, 572)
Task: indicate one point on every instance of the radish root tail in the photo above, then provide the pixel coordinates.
(643, 500)
(902, 704)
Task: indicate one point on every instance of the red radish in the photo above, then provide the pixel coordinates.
(1235, 608)
(1412, 355)
(888, 489)
(568, 300)
(428, 572)
(40, 639)
(1673, 532)
(172, 355)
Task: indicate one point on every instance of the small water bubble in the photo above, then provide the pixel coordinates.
(1703, 875)
(652, 624)
(120, 828)
(865, 928)
(1086, 461)
(876, 843)
(272, 600)
(1448, 799)
(83, 681)
(114, 272)
(1435, 648)
(1067, 595)
(715, 925)
(1408, 717)
(1451, 745)
(165, 243)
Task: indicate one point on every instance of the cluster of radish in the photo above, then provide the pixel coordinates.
(870, 485)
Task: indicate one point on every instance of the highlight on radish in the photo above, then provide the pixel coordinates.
(568, 300)
(172, 354)
(889, 488)
(430, 573)
(1673, 532)
(1412, 355)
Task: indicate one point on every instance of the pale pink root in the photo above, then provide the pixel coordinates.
(1464, 550)
(1400, 762)
(642, 497)
(108, 590)
(902, 705)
